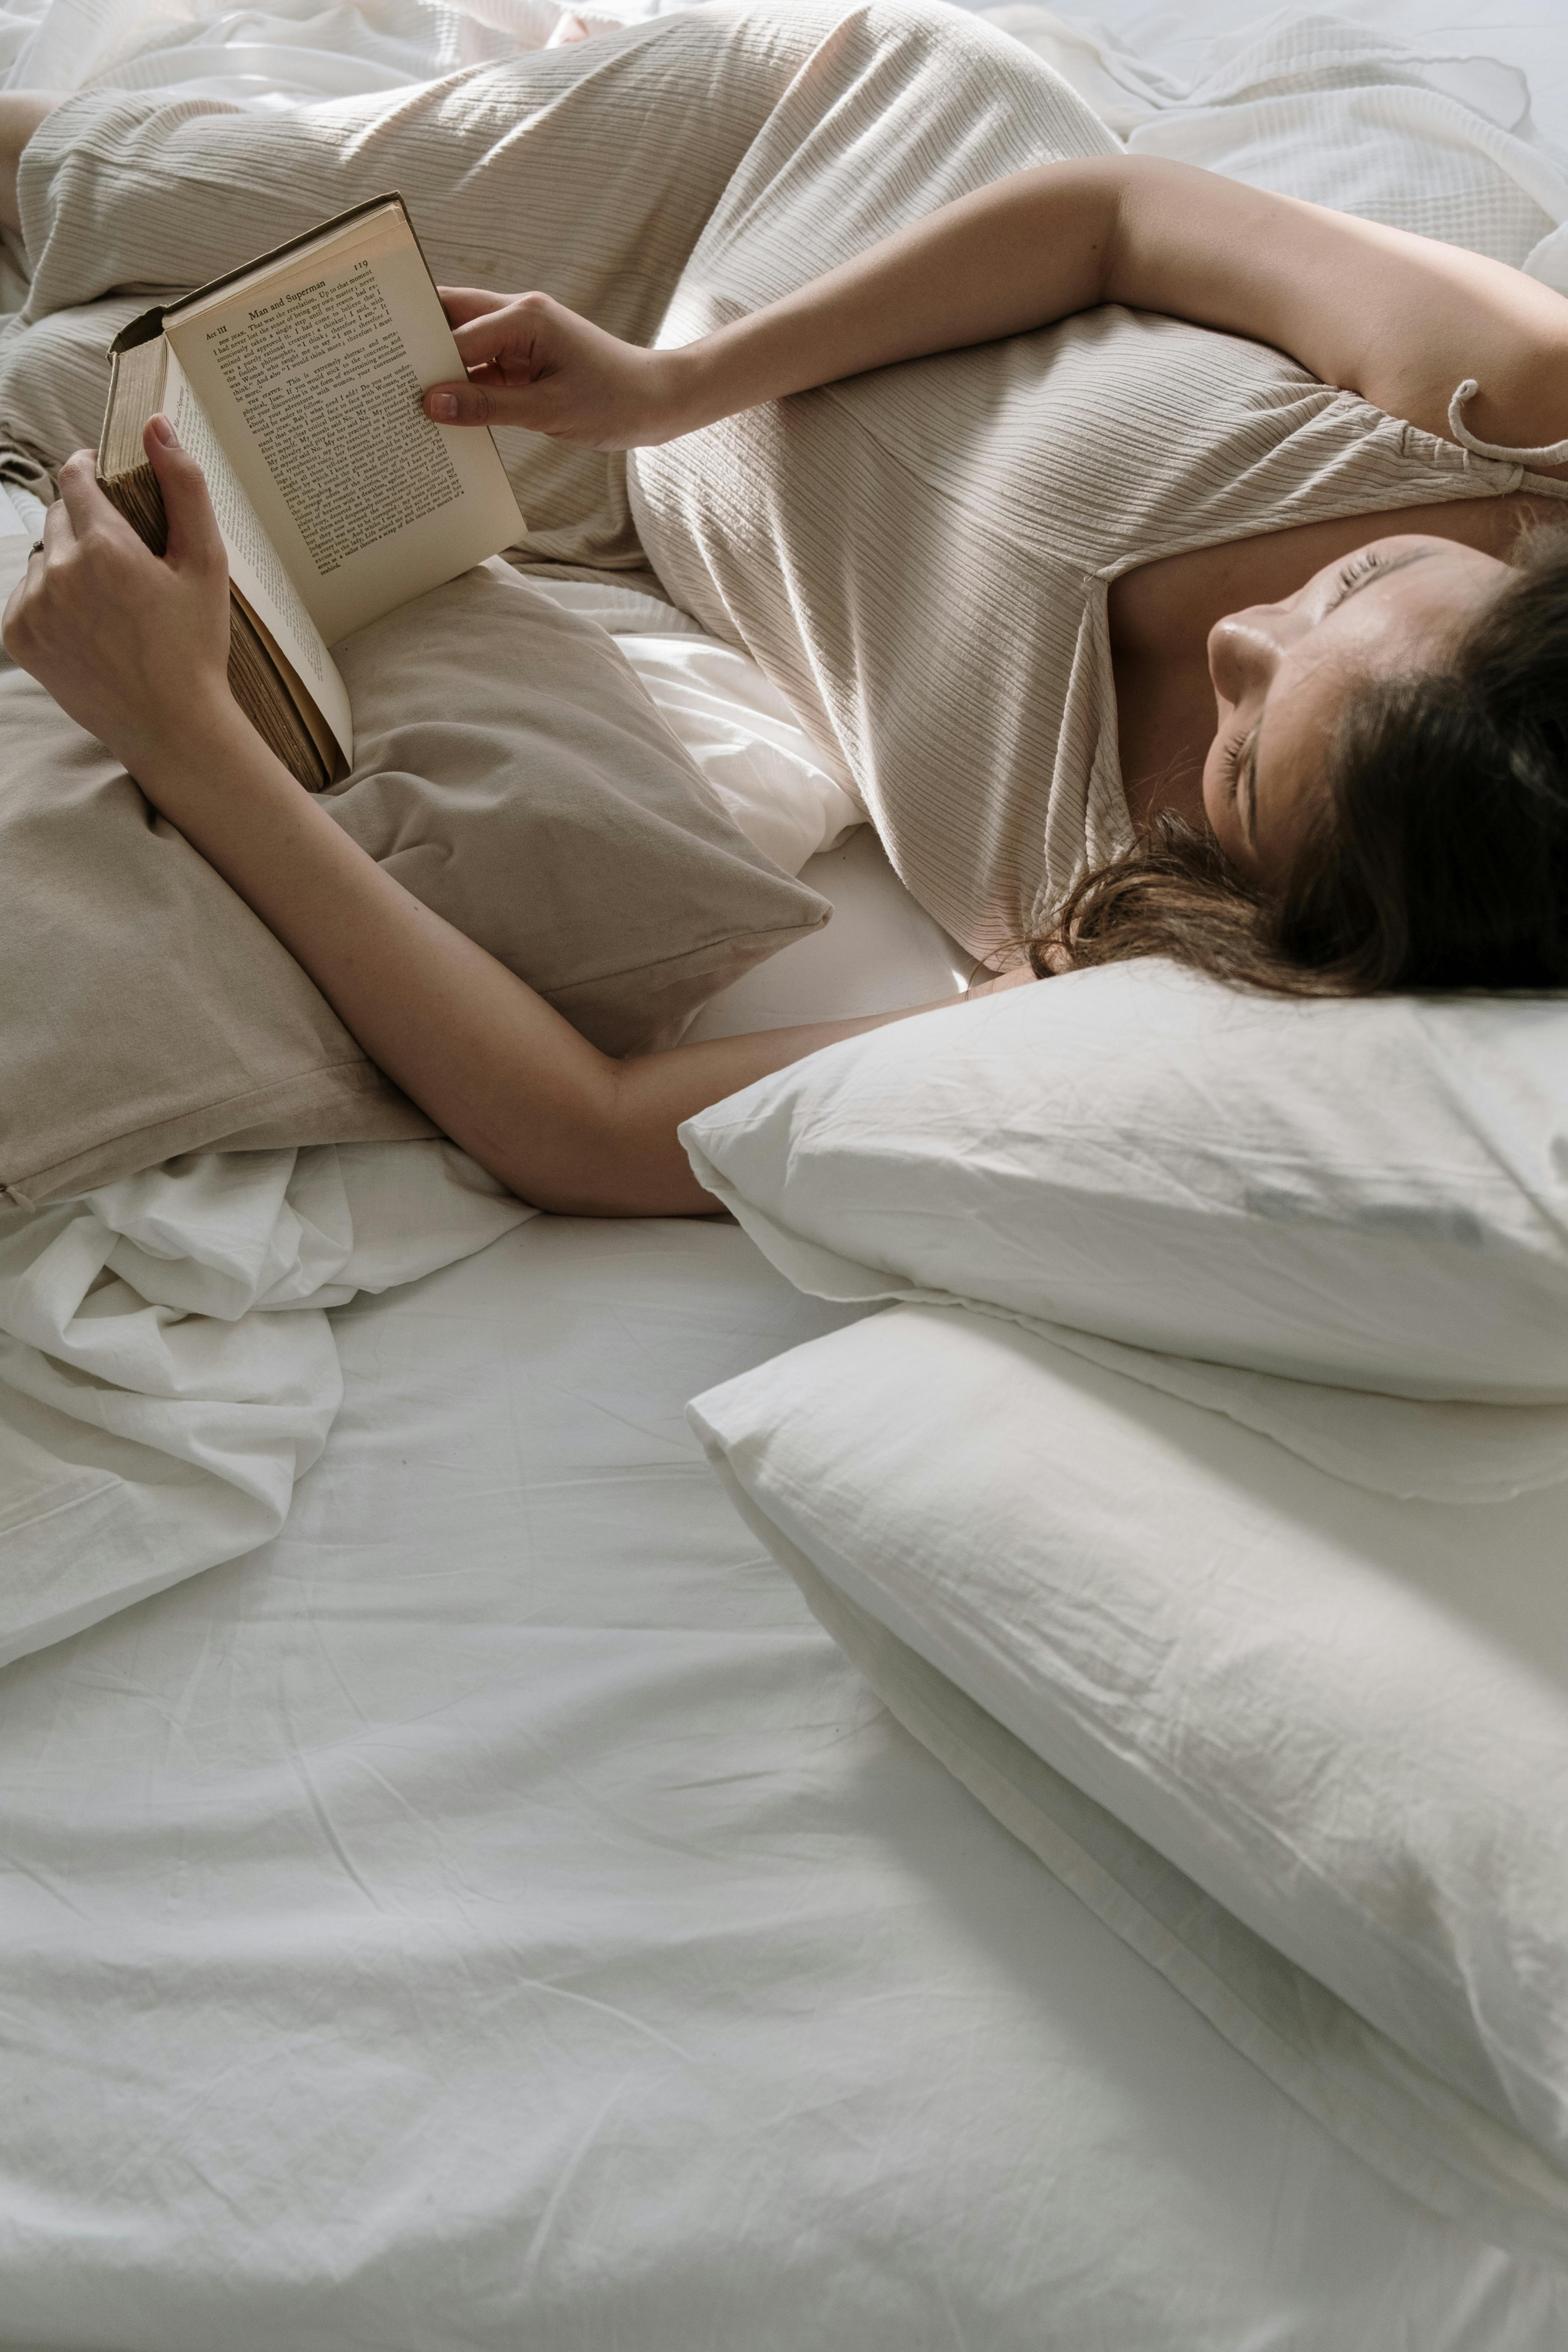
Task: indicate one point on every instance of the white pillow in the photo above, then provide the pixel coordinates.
(748, 743)
(1345, 1717)
(1370, 1193)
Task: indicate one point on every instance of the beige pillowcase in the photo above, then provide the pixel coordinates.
(510, 771)
(514, 774)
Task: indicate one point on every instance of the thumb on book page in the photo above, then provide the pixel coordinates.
(464, 403)
(195, 540)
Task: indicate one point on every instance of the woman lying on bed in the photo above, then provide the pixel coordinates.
(1359, 741)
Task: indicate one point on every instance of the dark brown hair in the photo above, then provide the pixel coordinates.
(1438, 859)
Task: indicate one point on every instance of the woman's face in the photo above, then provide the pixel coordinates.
(1280, 672)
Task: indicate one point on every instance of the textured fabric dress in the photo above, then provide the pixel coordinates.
(919, 558)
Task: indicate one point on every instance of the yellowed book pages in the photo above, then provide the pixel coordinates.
(310, 372)
(267, 684)
(254, 570)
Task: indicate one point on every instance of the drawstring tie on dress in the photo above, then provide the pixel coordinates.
(1555, 454)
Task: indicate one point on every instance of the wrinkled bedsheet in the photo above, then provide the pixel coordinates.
(495, 1917)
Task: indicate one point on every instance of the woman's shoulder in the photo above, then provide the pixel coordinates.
(1165, 609)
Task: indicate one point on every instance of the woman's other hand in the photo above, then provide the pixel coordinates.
(533, 363)
(133, 645)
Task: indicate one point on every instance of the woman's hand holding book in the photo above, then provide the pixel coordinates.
(1380, 311)
(532, 362)
(133, 645)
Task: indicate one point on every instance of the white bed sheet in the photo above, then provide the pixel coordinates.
(495, 1914)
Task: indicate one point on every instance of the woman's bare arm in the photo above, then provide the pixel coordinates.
(497, 1069)
(136, 648)
(1400, 320)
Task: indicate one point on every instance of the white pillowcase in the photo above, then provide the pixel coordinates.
(747, 741)
(1371, 1193)
(1344, 1716)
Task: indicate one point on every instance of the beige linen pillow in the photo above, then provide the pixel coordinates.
(515, 774)
(510, 771)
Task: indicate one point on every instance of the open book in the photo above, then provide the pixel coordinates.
(295, 383)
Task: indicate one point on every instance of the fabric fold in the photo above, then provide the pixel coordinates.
(167, 1370)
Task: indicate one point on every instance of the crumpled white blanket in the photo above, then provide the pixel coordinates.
(287, 54)
(1421, 136)
(167, 1370)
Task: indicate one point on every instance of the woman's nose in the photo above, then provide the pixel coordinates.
(1245, 649)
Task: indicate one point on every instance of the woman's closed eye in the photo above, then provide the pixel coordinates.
(1369, 565)
(1235, 766)
(1360, 567)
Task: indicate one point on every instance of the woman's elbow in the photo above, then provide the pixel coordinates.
(598, 1172)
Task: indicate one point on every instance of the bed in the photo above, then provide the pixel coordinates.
(492, 1911)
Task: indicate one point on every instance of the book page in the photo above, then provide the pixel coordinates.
(253, 565)
(311, 374)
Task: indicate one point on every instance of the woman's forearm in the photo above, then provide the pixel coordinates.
(1030, 248)
(1399, 318)
(497, 1069)
(444, 1020)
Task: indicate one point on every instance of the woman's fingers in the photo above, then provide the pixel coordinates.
(194, 535)
(87, 514)
(128, 645)
(58, 532)
(82, 511)
(72, 511)
(537, 364)
(517, 336)
(462, 303)
(503, 344)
